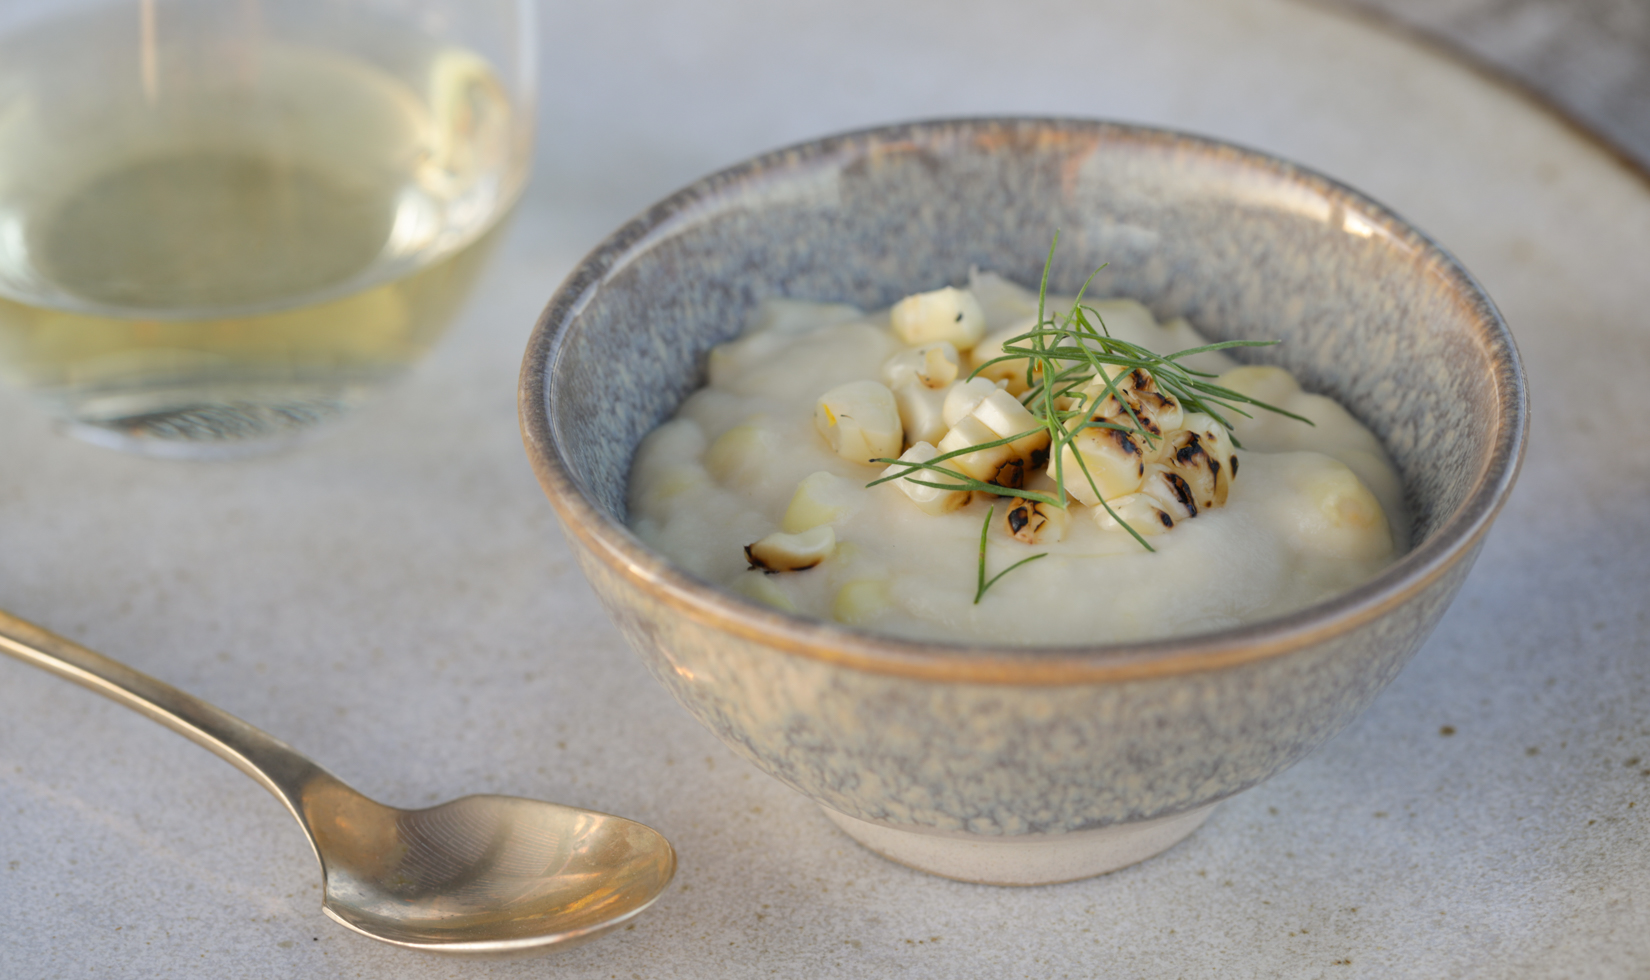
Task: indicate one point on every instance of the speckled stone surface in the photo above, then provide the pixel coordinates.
(397, 600)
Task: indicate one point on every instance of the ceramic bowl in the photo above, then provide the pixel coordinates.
(1021, 766)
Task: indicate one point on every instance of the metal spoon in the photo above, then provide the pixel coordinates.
(481, 874)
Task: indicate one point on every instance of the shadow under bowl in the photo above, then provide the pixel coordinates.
(1028, 765)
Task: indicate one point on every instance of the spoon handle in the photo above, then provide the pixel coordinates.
(273, 763)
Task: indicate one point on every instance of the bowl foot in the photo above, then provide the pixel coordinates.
(1029, 859)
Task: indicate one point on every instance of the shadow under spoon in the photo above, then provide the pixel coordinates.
(477, 875)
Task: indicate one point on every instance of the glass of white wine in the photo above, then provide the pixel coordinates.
(223, 222)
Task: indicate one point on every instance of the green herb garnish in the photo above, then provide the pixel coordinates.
(985, 528)
(1064, 353)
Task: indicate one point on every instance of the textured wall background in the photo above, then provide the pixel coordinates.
(1591, 57)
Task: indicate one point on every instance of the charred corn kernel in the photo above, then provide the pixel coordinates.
(861, 421)
(1091, 396)
(1133, 400)
(921, 412)
(997, 464)
(1035, 522)
(1113, 459)
(1122, 378)
(758, 585)
(1153, 413)
(931, 365)
(1159, 412)
(963, 397)
(931, 500)
(861, 601)
(1201, 453)
(1329, 511)
(739, 457)
(1138, 510)
(1216, 439)
(949, 314)
(1171, 491)
(1011, 372)
(1003, 414)
(781, 552)
(821, 498)
(1131, 378)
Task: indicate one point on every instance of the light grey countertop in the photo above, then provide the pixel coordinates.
(395, 598)
(1591, 58)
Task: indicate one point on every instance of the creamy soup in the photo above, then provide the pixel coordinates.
(761, 482)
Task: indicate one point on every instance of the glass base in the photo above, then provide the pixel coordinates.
(227, 423)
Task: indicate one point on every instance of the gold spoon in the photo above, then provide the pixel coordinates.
(481, 874)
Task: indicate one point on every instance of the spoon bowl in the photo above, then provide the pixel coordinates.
(479, 875)
(482, 874)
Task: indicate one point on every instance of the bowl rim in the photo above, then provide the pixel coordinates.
(614, 545)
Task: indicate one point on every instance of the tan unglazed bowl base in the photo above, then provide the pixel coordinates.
(1029, 859)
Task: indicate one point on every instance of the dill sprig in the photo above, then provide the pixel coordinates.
(1064, 353)
(985, 529)
(962, 481)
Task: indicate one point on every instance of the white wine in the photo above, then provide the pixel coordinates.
(205, 249)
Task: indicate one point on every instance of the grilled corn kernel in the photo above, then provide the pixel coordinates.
(861, 421)
(1138, 510)
(1171, 491)
(963, 397)
(1035, 522)
(931, 500)
(1003, 414)
(997, 464)
(931, 365)
(1134, 401)
(949, 314)
(921, 412)
(1201, 453)
(821, 498)
(1114, 460)
(1011, 372)
(781, 552)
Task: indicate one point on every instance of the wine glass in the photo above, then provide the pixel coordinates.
(225, 222)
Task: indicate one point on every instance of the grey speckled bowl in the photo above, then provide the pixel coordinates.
(1012, 765)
